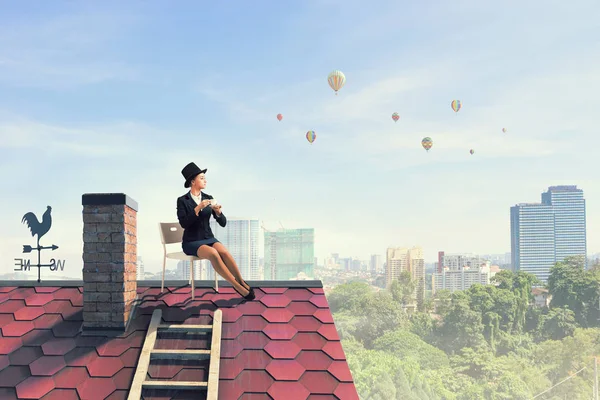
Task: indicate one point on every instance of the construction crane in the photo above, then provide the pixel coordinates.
(280, 224)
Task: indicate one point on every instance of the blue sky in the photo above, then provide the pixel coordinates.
(114, 97)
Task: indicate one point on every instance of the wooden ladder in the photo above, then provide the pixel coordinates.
(149, 352)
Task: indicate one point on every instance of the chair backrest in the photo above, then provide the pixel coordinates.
(170, 232)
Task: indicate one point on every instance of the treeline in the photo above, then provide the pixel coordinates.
(488, 342)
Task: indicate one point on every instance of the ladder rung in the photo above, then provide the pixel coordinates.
(175, 385)
(179, 354)
(186, 327)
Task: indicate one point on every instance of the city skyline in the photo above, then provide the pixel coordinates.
(118, 97)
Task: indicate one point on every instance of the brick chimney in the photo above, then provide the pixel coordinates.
(109, 260)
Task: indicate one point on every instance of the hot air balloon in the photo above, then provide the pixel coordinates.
(456, 105)
(427, 143)
(472, 151)
(503, 130)
(395, 117)
(336, 80)
(279, 117)
(311, 136)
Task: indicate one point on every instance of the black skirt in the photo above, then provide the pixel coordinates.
(191, 248)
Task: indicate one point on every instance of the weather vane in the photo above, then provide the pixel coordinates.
(40, 229)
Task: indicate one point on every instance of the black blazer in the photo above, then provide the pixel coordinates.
(196, 227)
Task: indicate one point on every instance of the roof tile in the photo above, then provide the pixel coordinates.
(118, 395)
(10, 344)
(34, 387)
(230, 348)
(70, 377)
(17, 328)
(285, 370)
(4, 362)
(329, 332)
(324, 316)
(28, 313)
(257, 381)
(296, 294)
(282, 349)
(8, 393)
(61, 394)
(47, 365)
(319, 300)
(11, 306)
(252, 323)
(334, 350)
(47, 321)
(230, 368)
(231, 315)
(97, 388)
(277, 315)
(252, 308)
(6, 319)
(316, 290)
(306, 323)
(275, 300)
(309, 341)
(273, 290)
(319, 382)
(280, 331)
(253, 359)
(104, 366)
(25, 355)
(302, 308)
(346, 391)
(123, 378)
(252, 340)
(58, 347)
(314, 360)
(340, 370)
(6, 289)
(12, 375)
(39, 299)
(230, 389)
(43, 289)
(288, 391)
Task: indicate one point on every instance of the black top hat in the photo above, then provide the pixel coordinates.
(189, 172)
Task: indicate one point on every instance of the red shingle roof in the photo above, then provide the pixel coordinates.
(283, 345)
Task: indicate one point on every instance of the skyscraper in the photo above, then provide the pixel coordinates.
(240, 237)
(545, 233)
(289, 252)
(401, 259)
(569, 220)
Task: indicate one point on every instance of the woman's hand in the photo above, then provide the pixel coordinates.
(203, 204)
(217, 209)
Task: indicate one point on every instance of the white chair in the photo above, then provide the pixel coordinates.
(171, 232)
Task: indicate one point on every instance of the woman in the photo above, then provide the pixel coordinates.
(193, 211)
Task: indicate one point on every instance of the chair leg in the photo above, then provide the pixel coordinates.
(192, 278)
(162, 284)
(216, 283)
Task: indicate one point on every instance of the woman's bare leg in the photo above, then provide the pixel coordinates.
(230, 263)
(208, 253)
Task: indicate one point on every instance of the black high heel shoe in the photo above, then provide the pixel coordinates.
(250, 296)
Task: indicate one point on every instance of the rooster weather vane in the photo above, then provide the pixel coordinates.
(40, 229)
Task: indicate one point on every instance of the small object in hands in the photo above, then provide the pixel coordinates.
(213, 202)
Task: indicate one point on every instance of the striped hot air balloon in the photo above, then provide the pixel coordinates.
(456, 105)
(336, 80)
(395, 117)
(427, 143)
(311, 136)
(503, 130)
(472, 151)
